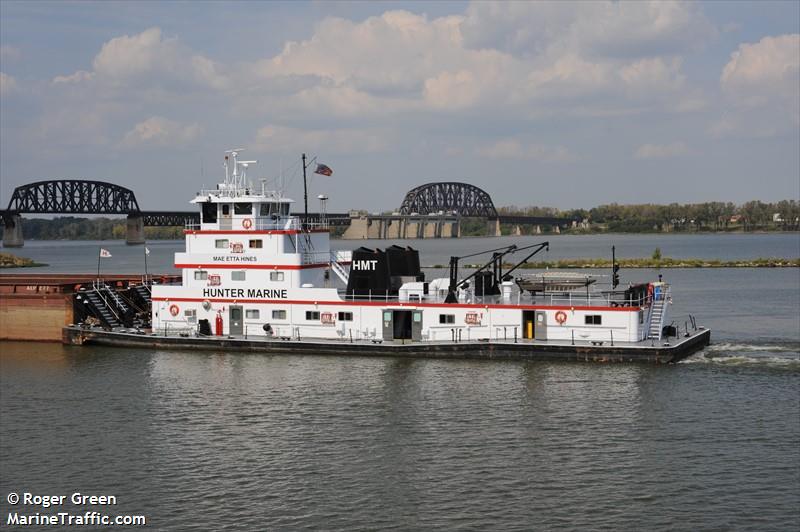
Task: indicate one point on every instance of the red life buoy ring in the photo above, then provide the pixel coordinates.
(247, 223)
(174, 310)
(561, 317)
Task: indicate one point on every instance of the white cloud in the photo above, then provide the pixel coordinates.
(159, 131)
(761, 83)
(661, 151)
(590, 28)
(149, 58)
(76, 77)
(281, 139)
(394, 50)
(513, 149)
(400, 61)
(764, 69)
(7, 83)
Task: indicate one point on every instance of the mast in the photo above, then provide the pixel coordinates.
(305, 192)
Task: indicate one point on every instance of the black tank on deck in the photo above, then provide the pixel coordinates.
(377, 273)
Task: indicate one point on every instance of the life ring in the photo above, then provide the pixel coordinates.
(247, 223)
(561, 317)
(174, 310)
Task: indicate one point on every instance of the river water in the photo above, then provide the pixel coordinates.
(211, 441)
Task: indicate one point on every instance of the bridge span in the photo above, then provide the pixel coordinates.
(433, 210)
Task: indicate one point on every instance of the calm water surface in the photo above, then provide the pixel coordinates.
(208, 441)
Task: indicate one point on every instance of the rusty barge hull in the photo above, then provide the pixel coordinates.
(36, 307)
(496, 350)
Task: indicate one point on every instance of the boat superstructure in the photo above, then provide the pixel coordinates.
(252, 269)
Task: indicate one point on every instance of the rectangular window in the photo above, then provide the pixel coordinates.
(190, 315)
(251, 314)
(221, 243)
(312, 315)
(226, 210)
(209, 212)
(200, 275)
(238, 275)
(276, 276)
(256, 244)
(447, 318)
(243, 208)
(278, 314)
(345, 316)
(593, 319)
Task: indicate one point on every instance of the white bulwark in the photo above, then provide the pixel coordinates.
(251, 269)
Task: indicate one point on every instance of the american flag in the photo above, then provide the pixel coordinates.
(323, 170)
(104, 253)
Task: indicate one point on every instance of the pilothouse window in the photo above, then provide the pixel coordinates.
(221, 243)
(209, 213)
(269, 208)
(243, 208)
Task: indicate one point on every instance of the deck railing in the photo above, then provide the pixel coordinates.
(266, 223)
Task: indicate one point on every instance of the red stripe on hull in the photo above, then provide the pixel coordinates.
(246, 232)
(387, 303)
(276, 267)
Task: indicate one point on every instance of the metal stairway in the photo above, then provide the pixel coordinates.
(115, 298)
(657, 315)
(97, 305)
(337, 257)
(142, 293)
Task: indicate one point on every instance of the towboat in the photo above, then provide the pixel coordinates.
(256, 277)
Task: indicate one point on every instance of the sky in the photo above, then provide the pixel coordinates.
(560, 104)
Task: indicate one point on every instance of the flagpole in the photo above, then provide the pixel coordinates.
(99, 252)
(145, 262)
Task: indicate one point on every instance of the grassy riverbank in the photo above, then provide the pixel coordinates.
(7, 260)
(652, 263)
(666, 262)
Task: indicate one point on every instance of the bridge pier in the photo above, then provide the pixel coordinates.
(135, 227)
(357, 230)
(493, 227)
(556, 229)
(517, 230)
(12, 231)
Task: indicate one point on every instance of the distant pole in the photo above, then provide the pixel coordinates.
(305, 192)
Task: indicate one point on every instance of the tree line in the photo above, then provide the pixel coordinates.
(642, 218)
(74, 228)
(709, 216)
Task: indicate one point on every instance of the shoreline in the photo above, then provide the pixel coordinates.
(648, 263)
